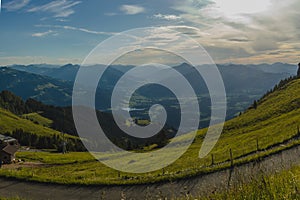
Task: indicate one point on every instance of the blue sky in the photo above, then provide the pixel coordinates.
(65, 31)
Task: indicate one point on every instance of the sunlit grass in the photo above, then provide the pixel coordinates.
(38, 119)
(282, 185)
(10, 122)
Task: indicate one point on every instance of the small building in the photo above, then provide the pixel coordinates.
(8, 148)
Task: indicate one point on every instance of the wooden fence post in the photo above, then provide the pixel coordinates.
(231, 168)
(231, 157)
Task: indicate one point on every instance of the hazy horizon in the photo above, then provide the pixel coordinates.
(78, 64)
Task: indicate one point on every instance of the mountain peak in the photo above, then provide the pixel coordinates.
(69, 66)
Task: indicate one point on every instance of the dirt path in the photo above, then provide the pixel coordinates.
(197, 185)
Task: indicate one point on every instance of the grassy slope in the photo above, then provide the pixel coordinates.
(37, 118)
(10, 122)
(274, 121)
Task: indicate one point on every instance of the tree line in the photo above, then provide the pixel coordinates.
(46, 142)
(277, 87)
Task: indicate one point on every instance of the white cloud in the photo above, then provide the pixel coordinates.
(132, 9)
(42, 34)
(76, 29)
(167, 17)
(59, 8)
(250, 29)
(15, 5)
(157, 40)
(235, 8)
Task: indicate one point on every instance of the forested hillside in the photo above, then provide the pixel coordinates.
(60, 120)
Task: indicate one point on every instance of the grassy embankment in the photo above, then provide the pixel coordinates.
(282, 185)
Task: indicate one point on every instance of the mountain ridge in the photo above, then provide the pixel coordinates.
(243, 85)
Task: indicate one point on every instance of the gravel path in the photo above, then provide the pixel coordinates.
(197, 185)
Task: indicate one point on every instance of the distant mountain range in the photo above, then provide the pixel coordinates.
(42, 88)
(276, 68)
(53, 85)
(69, 71)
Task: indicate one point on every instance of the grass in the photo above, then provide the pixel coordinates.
(10, 122)
(38, 119)
(82, 168)
(271, 126)
(282, 185)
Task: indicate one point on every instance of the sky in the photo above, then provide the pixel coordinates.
(231, 31)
